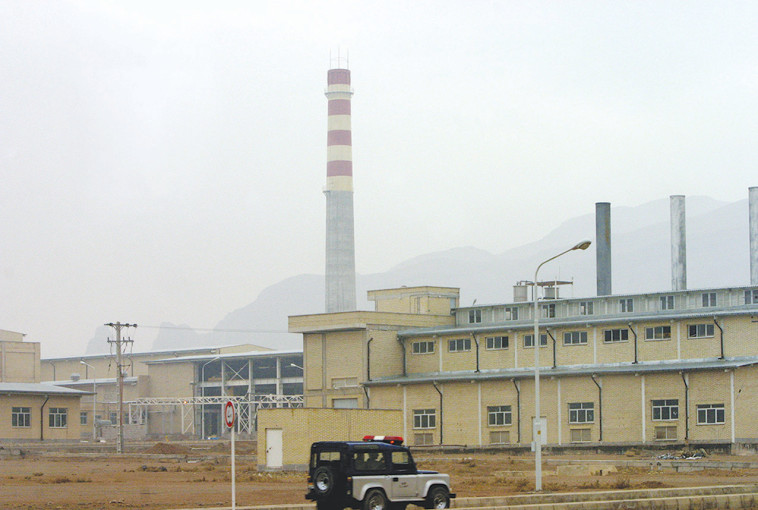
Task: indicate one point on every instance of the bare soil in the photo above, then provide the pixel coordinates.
(178, 478)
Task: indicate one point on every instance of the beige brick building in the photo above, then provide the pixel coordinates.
(656, 368)
(30, 410)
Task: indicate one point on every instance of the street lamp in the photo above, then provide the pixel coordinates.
(536, 343)
(94, 399)
(202, 402)
(297, 366)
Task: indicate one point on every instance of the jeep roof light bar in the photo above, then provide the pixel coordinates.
(384, 439)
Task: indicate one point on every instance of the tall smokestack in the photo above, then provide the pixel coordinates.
(340, 237)
(603, 247)
(678, 244)
(753, 200)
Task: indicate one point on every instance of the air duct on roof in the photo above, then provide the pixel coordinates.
(678, 244)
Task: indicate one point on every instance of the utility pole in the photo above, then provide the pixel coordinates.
(121, 344)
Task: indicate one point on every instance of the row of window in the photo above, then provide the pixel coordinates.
(22, 417)
(569, 338)
(625, 305)
(584, 412)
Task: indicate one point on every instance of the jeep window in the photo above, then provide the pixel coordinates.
(368, 461)
(402, 462)
(321, 458)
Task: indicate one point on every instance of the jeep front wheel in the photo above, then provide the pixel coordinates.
(438, 498)
(375, 500)
(323, 481)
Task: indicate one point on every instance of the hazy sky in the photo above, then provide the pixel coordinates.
(164, 161)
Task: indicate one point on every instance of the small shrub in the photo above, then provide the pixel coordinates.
(621, 483)
(37, 474)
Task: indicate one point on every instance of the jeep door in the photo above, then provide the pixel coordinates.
(403, 477)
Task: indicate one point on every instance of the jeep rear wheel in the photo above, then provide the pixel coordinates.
(375, 500)
(323, 481)
(438, 498)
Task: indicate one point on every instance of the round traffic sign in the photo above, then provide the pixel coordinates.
(229, 414)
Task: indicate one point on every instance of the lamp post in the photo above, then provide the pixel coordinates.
(297, 366)
(202, 402)
(536, 343)
(94, 400)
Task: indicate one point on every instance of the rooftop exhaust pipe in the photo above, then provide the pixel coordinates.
(678, 244)
(603, 247)
(753, 201)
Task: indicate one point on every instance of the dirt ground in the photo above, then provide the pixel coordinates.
(150, 481)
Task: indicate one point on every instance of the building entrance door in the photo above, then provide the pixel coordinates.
(274, 447)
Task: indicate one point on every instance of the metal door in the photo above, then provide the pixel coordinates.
(274, 447)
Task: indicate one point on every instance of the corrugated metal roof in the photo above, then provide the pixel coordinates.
(149, 353)
(40, 389)
(87, 382)
(572, 371)
(228, 355)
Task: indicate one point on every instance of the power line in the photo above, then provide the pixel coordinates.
(216, 330)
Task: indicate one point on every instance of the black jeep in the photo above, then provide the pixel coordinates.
(377, 473)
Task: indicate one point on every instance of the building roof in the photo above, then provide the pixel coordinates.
(664, 315)
(229, 355)
(641, 368)
(87, 382)
(39, 389)
(153, 353)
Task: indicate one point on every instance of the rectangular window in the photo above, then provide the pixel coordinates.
(658, 333)
(700, 330)
(710, 414)
(474, 316)
(344, 382)
(113, 417)
(529, 340)
(424, 347)
(424, 418)
(21, 417)
(511, 313)
(82, 418)
(497, 342)
(665, 433)
(616, 335)
(498, 416)
(459, 345)
(581, 435)
(667, 302)
(709, 299)
(626, 305)
(575, 338)
(586, 308)
(548, 311)
(751, 297)
(424, 439)
(58, 417)
(345, 403)
(665, 410)
(500, 437)
(582, 412)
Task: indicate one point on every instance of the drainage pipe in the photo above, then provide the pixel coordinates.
(518, 410)
(368, 358)
(686, 407)
(600, 405)
(547, 330)
(721, 334)
(476, 341)
(42, 419)
(434, 383)
(402, 347)
(635, 341)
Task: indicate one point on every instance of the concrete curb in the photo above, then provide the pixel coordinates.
(721, 496)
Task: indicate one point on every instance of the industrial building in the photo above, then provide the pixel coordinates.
(180, 393)
(30, 410)
(672, 366)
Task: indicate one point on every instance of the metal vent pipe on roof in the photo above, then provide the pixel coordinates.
(678, 244)
(603, 247)
(753, 201)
